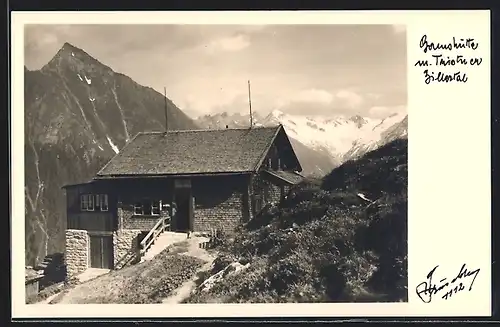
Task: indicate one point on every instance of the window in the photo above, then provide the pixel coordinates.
(101, 202)
(84, 202)
(147, 208)
(94, 202)
(87, 202)
(155, 207)
(138, 209)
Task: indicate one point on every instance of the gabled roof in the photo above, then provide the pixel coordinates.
(192, 152)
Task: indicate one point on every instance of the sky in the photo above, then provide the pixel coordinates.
(324, 70)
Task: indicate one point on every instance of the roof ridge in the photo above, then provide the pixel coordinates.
(208, 130)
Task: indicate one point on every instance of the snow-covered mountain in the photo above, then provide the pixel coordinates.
(342, 138)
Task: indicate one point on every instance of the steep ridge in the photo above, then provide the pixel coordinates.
(78, 114)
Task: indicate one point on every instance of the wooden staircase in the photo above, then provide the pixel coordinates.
(161, 225)
(159, 238)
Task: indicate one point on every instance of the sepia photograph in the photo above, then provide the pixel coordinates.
(184, 164)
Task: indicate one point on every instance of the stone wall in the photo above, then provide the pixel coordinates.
(224, 215)
(261, 186)
(127, 219)
(77, 251)
(125, 247)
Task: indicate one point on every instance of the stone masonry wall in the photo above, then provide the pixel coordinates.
(125, 247)
(223, 216)
(274, 191)
(127, 219)
(77, 251)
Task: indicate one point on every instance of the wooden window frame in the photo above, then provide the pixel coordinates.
(104, 201)
(94, 202)
(84, 204)
(87, 202)
(155, 208)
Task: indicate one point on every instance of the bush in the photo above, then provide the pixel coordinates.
(324, 242)
(158, 282)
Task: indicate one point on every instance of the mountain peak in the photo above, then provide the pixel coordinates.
(358, 120)
(72, 57)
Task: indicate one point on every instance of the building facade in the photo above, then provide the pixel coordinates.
(198, 181)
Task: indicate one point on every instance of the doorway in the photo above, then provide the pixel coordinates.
(101, 251)
(185, 213)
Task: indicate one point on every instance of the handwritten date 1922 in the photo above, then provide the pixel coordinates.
(447, 288)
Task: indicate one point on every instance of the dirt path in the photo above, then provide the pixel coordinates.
(106, 288)
(193, 250)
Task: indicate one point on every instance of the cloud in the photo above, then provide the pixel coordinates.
(384, 111)
(349, 99)
(230, 44)
(206, 67)
(342, 98)
(313, 95)
(321, 102)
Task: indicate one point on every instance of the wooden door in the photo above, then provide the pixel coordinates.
(101, 251)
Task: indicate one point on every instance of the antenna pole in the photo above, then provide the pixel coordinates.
(166, 111)
(250, 104)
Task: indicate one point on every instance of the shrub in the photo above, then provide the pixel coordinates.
(159, 280)
(324, 242)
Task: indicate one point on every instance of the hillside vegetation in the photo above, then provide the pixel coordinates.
(342, 238)
(144, 283)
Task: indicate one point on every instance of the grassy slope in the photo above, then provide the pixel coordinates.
(325, 243)
(144, 283)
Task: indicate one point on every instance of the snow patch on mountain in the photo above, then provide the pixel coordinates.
(113, 146)
(338, 134)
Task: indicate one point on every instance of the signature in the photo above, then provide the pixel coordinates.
(447, 288)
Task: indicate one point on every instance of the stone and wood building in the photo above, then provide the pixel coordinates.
(215, 179)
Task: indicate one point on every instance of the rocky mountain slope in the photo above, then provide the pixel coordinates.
(78, 114)
(327, 140)
(395, 131)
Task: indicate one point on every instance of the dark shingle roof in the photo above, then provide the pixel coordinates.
(192, 152)
(290, 177)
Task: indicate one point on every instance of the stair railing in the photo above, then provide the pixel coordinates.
(161, 225)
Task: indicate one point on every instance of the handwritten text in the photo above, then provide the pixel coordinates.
(446, 287)
(441, 56)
